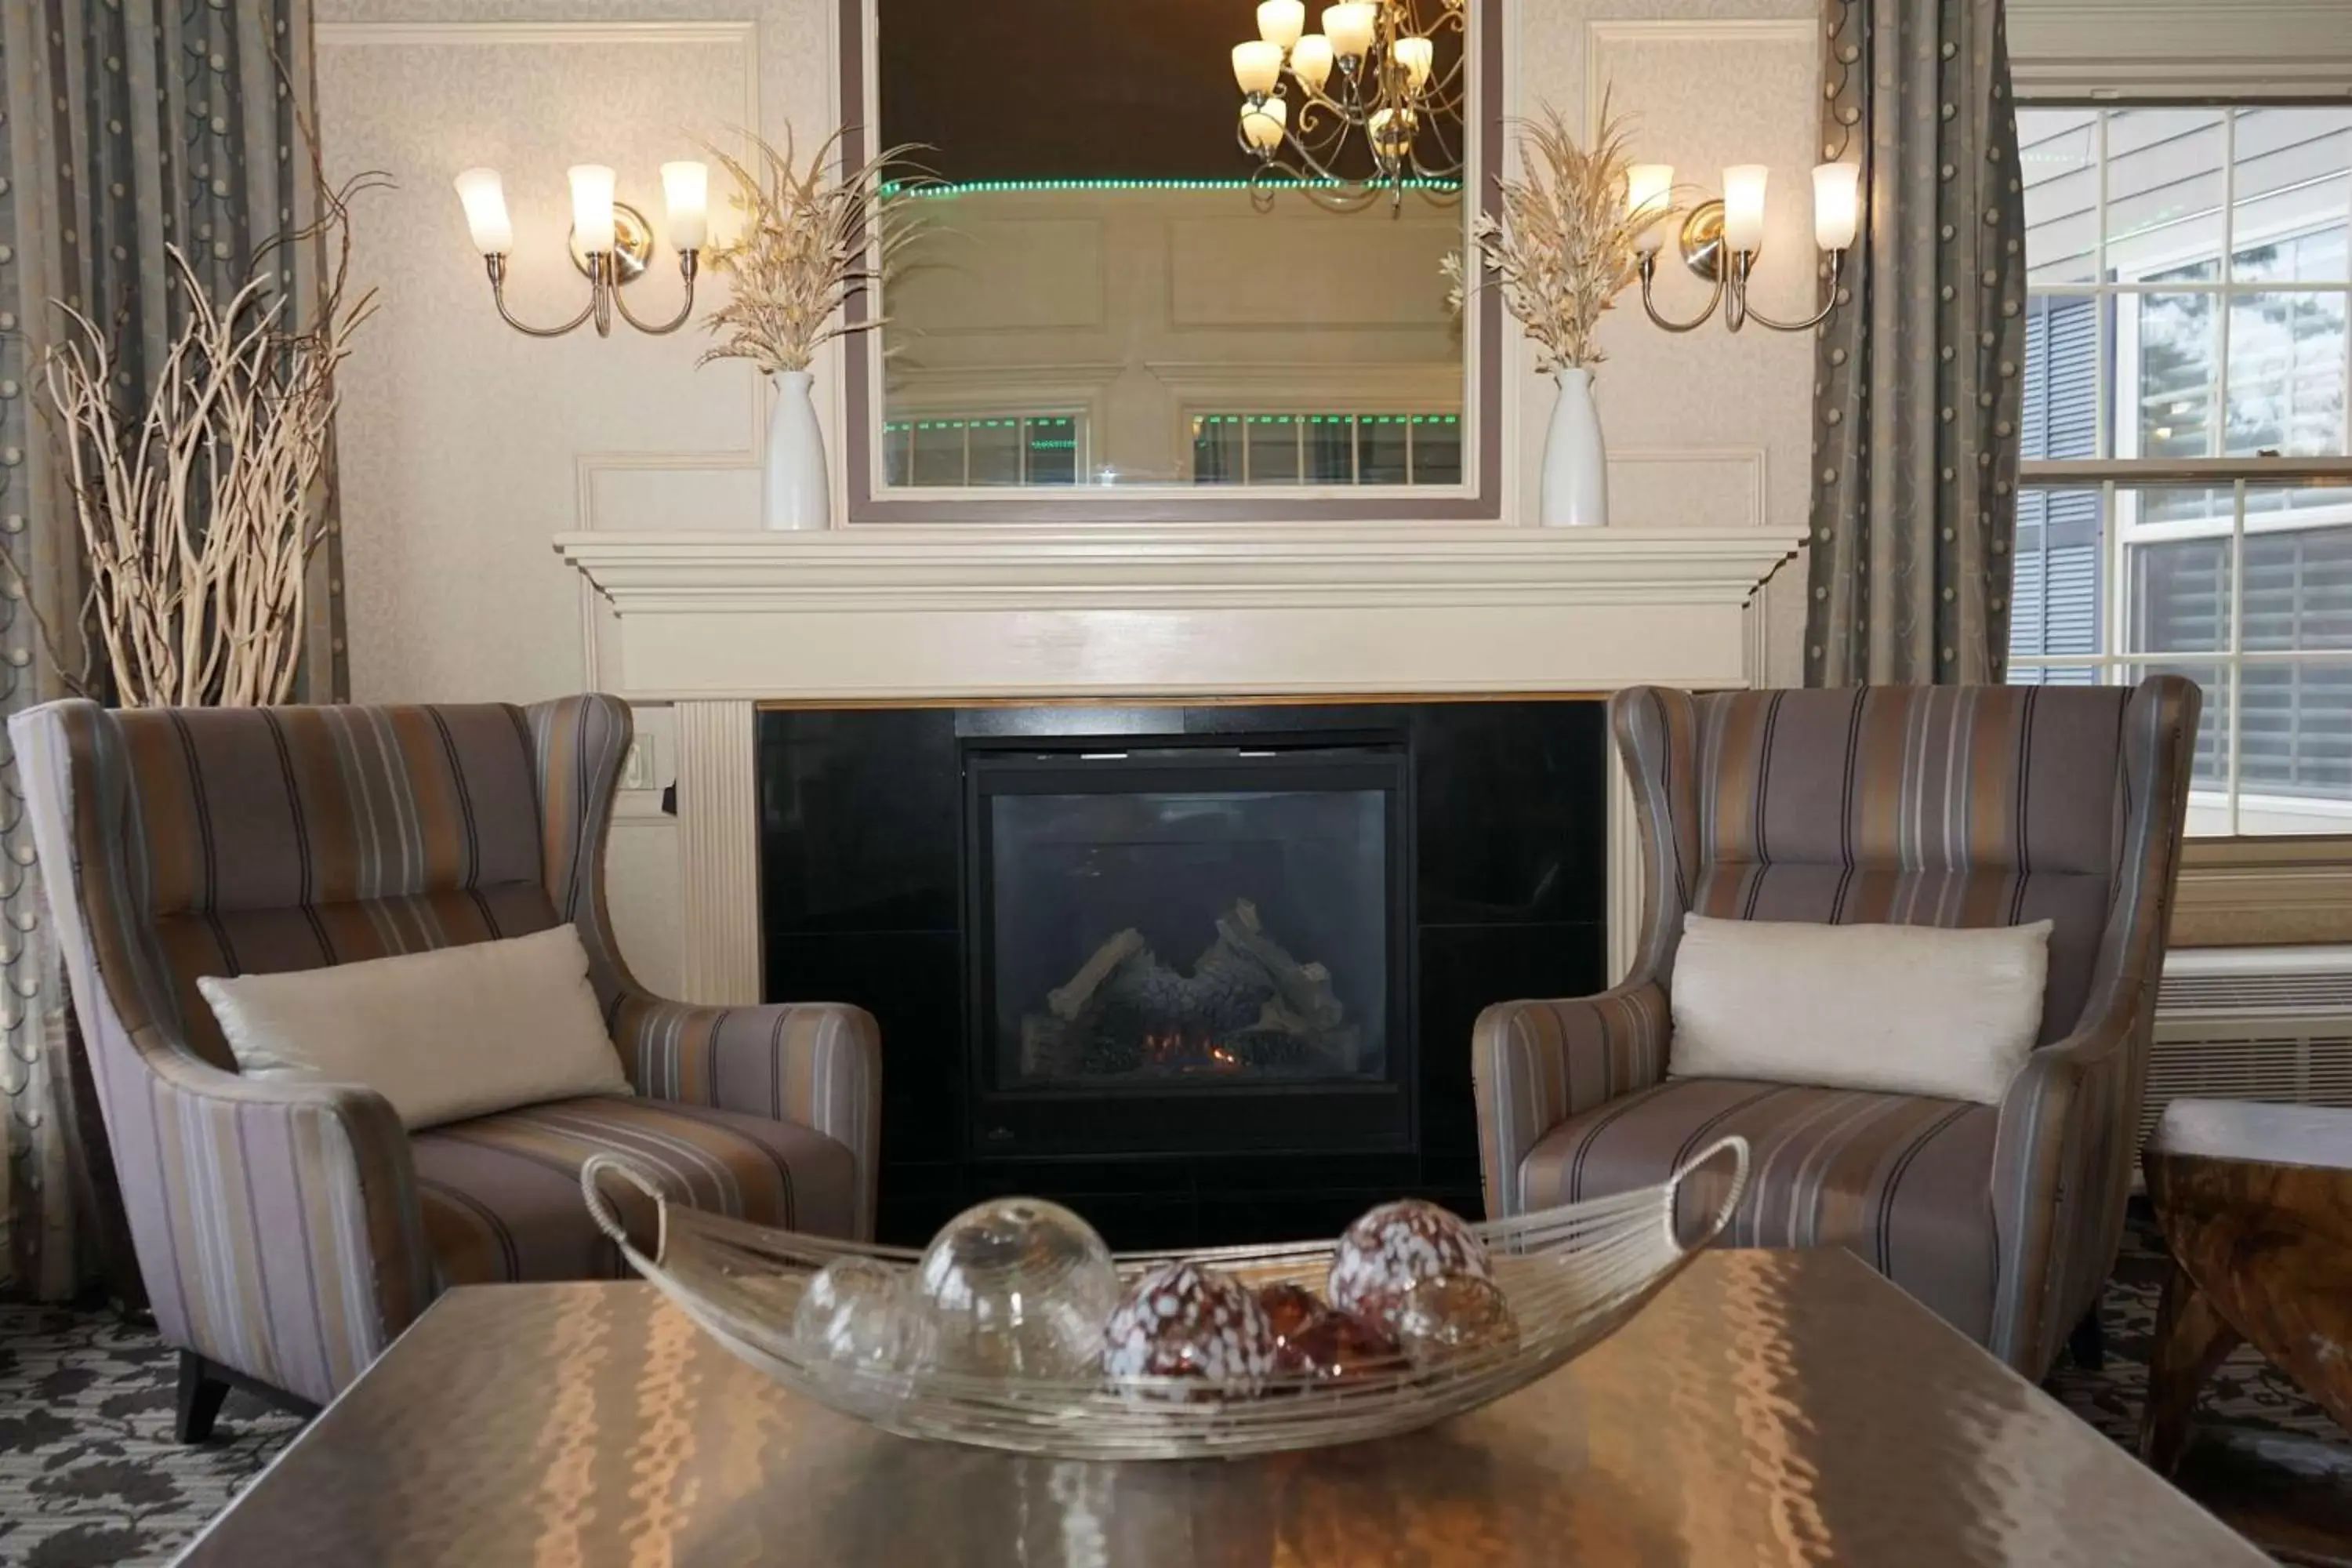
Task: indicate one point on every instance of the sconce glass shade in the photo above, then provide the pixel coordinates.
(686, 192)
(1837, 205)
(1649, 198)
(1257, 66)
(484, 198)
(1350, 27)
(1310, 61)
(1413, 55)
(1743, 206)
(1279, 22)
(591, 205)
(1261, 124)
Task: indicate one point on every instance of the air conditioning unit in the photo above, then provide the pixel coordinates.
(2252, 1023)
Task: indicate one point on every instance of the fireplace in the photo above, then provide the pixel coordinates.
(1188, 948)
(1388, 869)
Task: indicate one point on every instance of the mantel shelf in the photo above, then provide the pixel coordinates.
(908, 614)
(1328, 566)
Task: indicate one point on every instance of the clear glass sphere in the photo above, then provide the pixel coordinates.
(850, 1310)
(1011, 1288)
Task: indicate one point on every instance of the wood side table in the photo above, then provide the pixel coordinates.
(1769, 1407)
(2255, 1203)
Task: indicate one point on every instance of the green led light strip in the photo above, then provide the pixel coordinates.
(969, 187)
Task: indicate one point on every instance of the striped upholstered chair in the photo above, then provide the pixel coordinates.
(285, 1233)
(1950, 806)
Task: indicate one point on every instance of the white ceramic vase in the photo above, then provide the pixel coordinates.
(795, 493)
(1575, 491)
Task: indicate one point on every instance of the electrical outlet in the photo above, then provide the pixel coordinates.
(637, 767)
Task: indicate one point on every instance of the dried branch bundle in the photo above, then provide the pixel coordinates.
(1563, 249)
(809, 244)
(198, 514)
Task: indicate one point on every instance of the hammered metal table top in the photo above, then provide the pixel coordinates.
(1770, 1407)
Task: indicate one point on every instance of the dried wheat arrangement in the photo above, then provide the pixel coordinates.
(198, 512)
(811, 241)
(1562, 249)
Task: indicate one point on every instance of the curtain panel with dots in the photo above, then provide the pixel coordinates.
(126, 126)
(1918, 374)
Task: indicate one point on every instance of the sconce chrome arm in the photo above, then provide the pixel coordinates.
(1650, 271)
(689, 263)
(496, 266)
(608, 272)
(1705, 253)
(1828, 301)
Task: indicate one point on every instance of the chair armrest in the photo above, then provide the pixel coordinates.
(817, 1063)
(2055, 1158)
(295, 1248)
(1533, 1065)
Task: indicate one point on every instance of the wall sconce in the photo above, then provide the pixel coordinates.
(611, 241)
(1720, 239)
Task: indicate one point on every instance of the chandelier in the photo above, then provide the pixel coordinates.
(1370, 72)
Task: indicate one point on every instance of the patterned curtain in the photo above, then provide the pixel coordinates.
(1919, 374)
(126, 126)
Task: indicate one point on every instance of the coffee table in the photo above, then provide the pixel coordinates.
(1767, 1407)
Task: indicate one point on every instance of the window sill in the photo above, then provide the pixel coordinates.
(2263, 892)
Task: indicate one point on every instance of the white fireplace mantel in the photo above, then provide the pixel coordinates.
(718, 623)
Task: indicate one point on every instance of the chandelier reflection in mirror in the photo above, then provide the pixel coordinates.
(1370, 72)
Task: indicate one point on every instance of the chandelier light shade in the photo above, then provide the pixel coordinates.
(611, 241)
(1280, 22)
(1370, 76)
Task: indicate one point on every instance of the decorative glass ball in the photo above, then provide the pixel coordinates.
(1395, 1246)
(1185, 1321)
(849, 1310)
(1453, 1315)
(1012, 1288)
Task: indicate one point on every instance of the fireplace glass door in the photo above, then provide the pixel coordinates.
(1186, 927)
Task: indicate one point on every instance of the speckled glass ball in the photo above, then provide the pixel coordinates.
(1314, 1341)
(849, 1311)
(1184, 1320)
(1451, 1315)
(1391, 1247)
(1011, 1288)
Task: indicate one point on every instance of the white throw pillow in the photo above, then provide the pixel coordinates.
(445, 1034)
(1899, 1009)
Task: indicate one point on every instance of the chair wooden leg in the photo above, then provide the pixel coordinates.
(2191, 1338)
(2088, 1344)
(202, 1389)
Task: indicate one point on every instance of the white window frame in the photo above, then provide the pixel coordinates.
(2112, 476)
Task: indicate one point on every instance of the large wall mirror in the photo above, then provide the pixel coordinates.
(1155, 277)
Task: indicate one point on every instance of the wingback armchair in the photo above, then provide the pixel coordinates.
(285, 1233)
(1948, 806)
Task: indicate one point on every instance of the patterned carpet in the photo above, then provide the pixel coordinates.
(89, 1475)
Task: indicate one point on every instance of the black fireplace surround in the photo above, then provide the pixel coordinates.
(1205, 973)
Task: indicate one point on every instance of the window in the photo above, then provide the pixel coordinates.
(986, 451)
(2186, 503)
(1327, 448)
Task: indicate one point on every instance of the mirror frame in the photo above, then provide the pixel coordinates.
(1478, 498)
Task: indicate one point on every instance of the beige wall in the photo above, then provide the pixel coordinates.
(466, 446)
